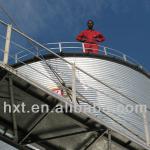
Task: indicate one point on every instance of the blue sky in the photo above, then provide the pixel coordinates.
(125, 23)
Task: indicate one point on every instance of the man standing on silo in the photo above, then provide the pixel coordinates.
(91, 38)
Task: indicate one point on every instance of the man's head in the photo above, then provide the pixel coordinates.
(90, 24)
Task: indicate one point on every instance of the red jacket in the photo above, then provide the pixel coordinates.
(90, 36)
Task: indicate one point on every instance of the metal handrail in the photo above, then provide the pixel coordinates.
(105, 49)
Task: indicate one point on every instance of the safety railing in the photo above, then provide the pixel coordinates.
(78, 47)
(14, 52)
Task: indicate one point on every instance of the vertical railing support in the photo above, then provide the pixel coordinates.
(16, 58)
(124, 57)
(7, 44)
(146, 128)
(83, 47)
(109, 139)
(74, 83)
(140, 66)
(12, 102)
(37, 51)
(105, 50)
(60, 47)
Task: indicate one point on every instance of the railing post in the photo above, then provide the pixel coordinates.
(37, 51)
(109, 139)
(105, 50)
(146, 128)
(12, 102)
(140, 66)
(124, 57)
(16, 58)
(60, 47)
(74, 83)
(83, 47)
(7, 44)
